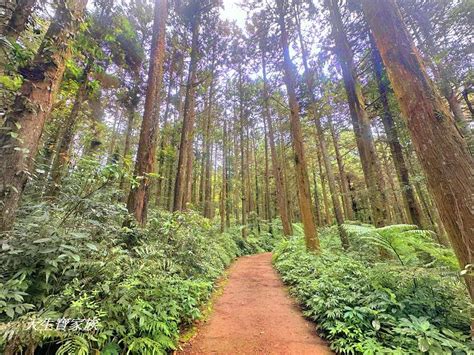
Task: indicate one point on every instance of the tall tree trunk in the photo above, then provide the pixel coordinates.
(442, 75)
(257, 188)
(164, 140)
(18, 19)
(267, 199)
(243, 168)
(223, 198)
(327, 215)
(187, 133)
(63, 151)
(360, 120)
(322, 142)
(302, 181)
(465, 94)
(317, 203)
(24, 125)
(145, 164)
(441, 150)
(208, 150)
(276, 166)
(406, 188)
(112, 156)
(128, 143)
(96, 118)
(346, 194)
(7, 8)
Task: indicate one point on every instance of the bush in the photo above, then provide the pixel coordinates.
(363, 304)
(71, 264)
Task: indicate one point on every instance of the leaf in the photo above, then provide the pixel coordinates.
(423, 344)
(92, 246)
(10, 312)
(42, 240)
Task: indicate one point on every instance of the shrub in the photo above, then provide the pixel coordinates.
(363, 304)
(72, 260)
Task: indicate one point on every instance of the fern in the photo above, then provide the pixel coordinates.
(77, 345)
(408, 244)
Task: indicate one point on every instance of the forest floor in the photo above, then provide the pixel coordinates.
(255, 315)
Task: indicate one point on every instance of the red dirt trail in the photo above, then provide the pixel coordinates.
(255, 315)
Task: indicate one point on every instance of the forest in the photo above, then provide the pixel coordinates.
(231, 177)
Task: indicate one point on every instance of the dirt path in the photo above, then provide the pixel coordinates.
(255, 315)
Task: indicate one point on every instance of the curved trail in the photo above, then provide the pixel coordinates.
(255, 315)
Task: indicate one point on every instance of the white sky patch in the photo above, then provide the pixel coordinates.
(233, 12)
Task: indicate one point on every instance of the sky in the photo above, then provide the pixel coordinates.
(233, 12)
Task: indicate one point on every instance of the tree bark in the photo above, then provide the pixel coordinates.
(322, 143)
(346, 194)
(441, 150)
(207, 150)
(164, 141)
(243, 168)
(62, 157)
(24, 125)
(19, 19)
(360, 120)
(302, 181)
(411, 205)
(276, 166)
(267, 199)
(7, 8)
(317, 203)
(327, 215)
(145, 162)
(185, 148)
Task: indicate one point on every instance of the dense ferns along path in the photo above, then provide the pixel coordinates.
(255, 315)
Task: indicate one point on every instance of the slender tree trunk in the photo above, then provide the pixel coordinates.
(397, 215)
(441, 150)
(465, 95)
(164, 140)
(243, 168)
(248, 163)
(127, 144)
(257, 188)
(327, 215)
(97, 114)
(223, 200)
(317, 203)
(208, 150)
(360, 120)
(267, 200)
(276, 166)
(112, 156)
(409, 199)
(302, 181)
(145, 164)
(187, 133)
(322, 143)
(63, 151)
(346, 194)
(21, 133)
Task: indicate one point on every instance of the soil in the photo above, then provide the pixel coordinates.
(255, 315)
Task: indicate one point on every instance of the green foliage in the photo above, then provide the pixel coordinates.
(365, 304)
(73, 259)
(410, 245)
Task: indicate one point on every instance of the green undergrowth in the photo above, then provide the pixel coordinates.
(101, 287)
(409, 300)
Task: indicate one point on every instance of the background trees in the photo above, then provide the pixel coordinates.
(309, 112)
